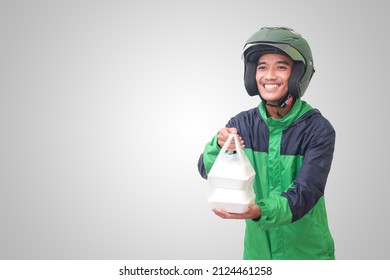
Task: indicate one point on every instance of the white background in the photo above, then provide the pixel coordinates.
(105, 107)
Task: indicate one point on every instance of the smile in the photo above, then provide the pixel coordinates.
(271, 86)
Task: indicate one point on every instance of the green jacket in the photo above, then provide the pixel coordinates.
(292, 158)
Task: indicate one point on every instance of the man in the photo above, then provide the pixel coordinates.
(289, 144)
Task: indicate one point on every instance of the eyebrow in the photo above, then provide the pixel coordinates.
(284, 62)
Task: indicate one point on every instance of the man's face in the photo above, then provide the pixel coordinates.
(272, 74)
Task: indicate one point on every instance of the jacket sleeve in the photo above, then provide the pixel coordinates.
(309, 184)
(275, 212)
(207, 159)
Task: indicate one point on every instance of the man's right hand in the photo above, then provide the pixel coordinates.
(224, 134)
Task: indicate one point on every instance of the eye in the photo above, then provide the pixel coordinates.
(261, 67)
(282, 67)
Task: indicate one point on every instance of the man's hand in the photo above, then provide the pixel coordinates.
(252, 212)
(223, 136)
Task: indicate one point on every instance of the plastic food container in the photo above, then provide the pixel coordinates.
(231, 180)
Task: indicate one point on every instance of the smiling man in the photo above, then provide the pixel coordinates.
(272, 74)
(289, 144)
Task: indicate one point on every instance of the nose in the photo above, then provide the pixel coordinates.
(270, 75)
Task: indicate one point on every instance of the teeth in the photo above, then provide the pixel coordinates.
(270, 86)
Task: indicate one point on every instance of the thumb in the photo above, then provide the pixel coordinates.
(233, 130)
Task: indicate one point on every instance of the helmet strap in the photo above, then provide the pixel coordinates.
(286, 101)
(282, 103)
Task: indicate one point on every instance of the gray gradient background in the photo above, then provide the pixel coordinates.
(105, 107)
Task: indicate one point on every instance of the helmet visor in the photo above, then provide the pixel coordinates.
(254, 50)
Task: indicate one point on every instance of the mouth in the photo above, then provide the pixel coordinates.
(271, 86)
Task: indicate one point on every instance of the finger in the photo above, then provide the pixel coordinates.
(232, 130)
(232, 147)
(217, 212)
(222, 136)
(225, 132)
(221, 213)
(226, 215)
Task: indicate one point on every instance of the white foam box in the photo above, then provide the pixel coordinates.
(231, 182)
(231, 200)
(231, 186)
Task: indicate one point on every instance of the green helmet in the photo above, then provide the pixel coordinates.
(282, 40)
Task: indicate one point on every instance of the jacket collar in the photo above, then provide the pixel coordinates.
(299, 109)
